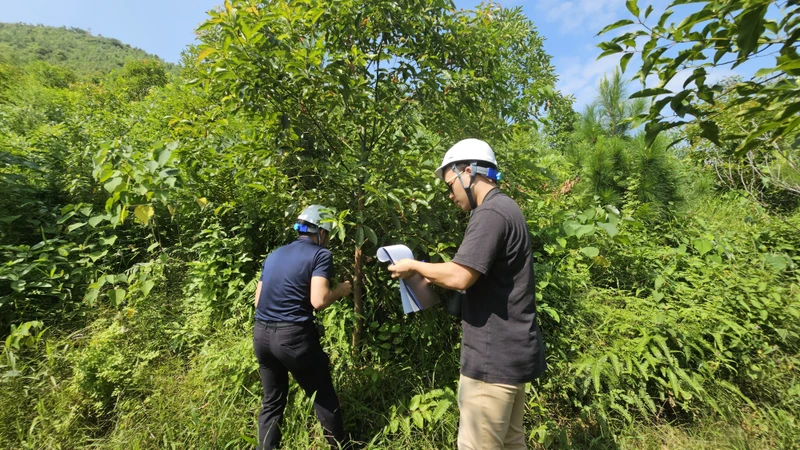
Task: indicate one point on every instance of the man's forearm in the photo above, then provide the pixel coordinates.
(258, 293)
(330, 298)
(448, 275)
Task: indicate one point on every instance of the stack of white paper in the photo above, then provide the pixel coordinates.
(415, 292)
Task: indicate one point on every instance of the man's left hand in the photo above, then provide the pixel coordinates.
(403, 268)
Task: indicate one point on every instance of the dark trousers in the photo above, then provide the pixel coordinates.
(295, 349)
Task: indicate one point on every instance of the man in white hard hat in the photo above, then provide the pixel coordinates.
(295, 281)
(501, 346)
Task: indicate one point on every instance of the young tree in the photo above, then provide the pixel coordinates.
(615, 107)
(616, 164)
(351, 87)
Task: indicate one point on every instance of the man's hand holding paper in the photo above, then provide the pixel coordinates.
(415, 291)
(403, 269)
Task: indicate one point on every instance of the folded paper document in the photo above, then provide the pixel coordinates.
(415, 293)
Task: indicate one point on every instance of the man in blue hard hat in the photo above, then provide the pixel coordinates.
(295, 281)
(501, 347)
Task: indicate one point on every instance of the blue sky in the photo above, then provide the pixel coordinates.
(166, 27)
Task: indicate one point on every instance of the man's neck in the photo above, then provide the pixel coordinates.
(311, 238)
(480, 189)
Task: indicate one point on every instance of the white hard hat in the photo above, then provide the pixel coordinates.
(314, 215)
(467, 150)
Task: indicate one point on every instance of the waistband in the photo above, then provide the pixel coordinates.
(274, 324)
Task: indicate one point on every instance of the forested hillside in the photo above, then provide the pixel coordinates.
(73, 48)
(138, 204)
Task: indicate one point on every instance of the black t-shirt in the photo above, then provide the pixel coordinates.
(286, 281)
(501, 340)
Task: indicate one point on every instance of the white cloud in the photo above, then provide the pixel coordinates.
(579, 14)
(580, 79)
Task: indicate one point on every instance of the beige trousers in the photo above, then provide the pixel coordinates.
(490, 415)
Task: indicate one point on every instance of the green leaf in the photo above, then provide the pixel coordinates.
(765, 71)
(702, 246)
(584, 230)
(650, 92)
(652, 130)
(609, 48)
(777, 262)
(615, 25)
(751, 27)
(700, 16)
(710, 131)
(117, 296)
(609, 228)
(406, 424)
(632, 7)
(18, 285)
(441, 408)
(677, 102)
(112, 185)
(75, 226)
(371, 235)
(94, 256)
(94, 221)
(258, 186)
(418, 420)
(164, 157)
(204, 53)
(394, 199)
(623, 62)
(570, 226)
(144, 213)
(414, 402)
(146, 287)
(591, 252)
(91, 295)
(359, 235)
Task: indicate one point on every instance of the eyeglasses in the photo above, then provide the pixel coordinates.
(452, 180)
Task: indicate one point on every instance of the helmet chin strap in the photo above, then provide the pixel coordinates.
(467, 188)
(319, 236)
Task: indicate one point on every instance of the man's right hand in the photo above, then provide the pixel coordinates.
(344, 288)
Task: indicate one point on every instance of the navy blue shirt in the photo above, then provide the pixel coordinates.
(286, 280)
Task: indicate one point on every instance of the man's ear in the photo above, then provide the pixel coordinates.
(468, 170)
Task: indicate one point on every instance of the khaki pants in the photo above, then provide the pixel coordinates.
(490, 415)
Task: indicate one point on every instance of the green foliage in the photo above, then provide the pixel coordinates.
(617, 168)
(138, 207)
(422, 412)
(616, 108)
(698, 329)
(139, 76)
(735, 32)
(769, 173)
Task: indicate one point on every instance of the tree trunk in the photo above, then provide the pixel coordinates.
(358, 287)
(358, 301)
